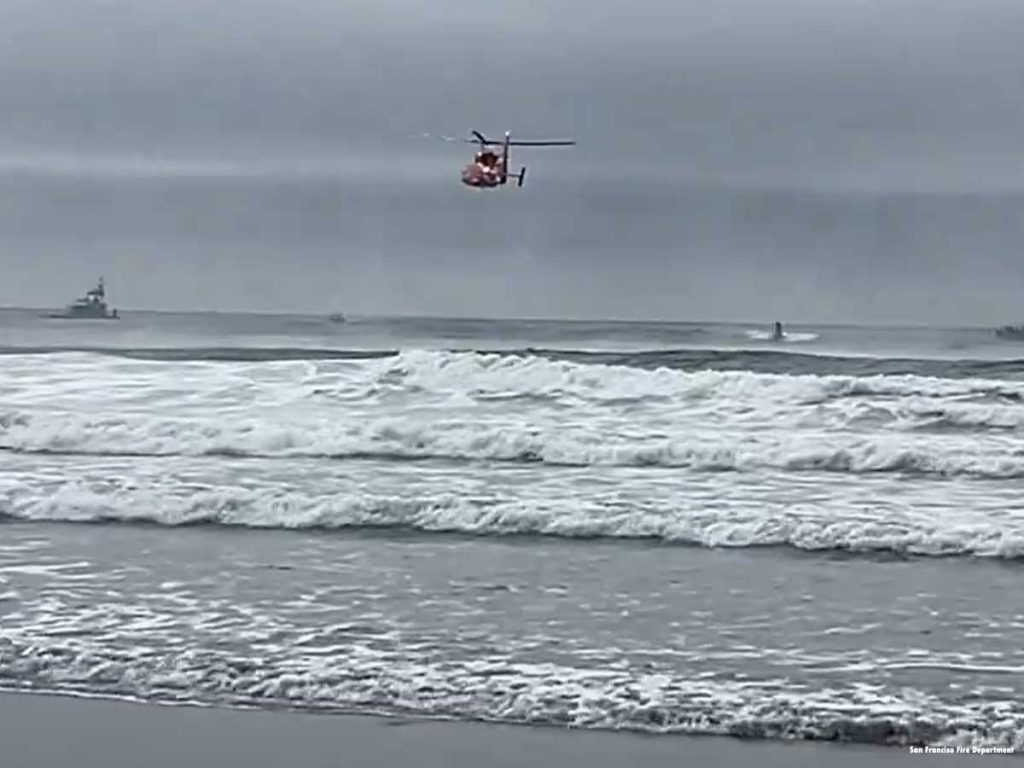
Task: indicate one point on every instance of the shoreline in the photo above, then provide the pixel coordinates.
(98, 732)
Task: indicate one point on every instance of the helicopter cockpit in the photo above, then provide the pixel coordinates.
(487, 158)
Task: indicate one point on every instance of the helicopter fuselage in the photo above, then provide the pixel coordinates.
(486, 170)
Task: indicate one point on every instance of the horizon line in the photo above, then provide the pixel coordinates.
(523, 319)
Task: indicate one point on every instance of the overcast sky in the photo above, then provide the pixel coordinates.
(821, 159)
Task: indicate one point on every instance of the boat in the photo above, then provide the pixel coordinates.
(337, 317)
(1015, 332)
(92, 306)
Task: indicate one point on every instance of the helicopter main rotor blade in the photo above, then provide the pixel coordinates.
(484, 141)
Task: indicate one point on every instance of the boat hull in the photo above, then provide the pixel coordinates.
(63, 316)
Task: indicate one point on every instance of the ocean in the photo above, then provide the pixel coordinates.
(652, 527)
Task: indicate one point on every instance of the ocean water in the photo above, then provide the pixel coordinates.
(656, 527)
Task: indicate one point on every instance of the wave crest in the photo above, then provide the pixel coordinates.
(799, 527)
(457, 440)
(677, 358)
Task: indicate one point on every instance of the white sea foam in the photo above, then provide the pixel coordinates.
(853, 516)
(483, 412)
(787, 336)
(603, 440)
(466, 406)
(362, 678)
(905, 464)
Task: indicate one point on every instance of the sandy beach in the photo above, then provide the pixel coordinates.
(38, 731)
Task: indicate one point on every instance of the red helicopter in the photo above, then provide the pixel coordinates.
(489, 169)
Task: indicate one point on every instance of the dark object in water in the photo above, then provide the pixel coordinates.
(1015, 332)
(337, 317)
(777, 333)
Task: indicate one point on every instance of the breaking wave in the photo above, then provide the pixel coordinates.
(686, 359)
(804, 527)
(459, 441)
(706, 448)
(362, 678)
(469, 407)
(484, 414)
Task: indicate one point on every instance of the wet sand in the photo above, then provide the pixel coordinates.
(38, 731)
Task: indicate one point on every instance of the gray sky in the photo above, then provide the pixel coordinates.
(817, 159)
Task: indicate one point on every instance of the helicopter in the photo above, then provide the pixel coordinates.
(489, 169)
